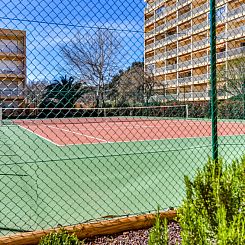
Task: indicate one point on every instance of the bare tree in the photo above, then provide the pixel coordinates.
(34, 91)
(232, 75)
(134, 85)
(94, 58)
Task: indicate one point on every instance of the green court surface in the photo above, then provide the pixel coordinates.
(44, 185)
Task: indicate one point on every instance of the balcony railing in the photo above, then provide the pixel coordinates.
(184, 48)
(235, 31)
(184, 16)
(236, 11)
(200, 9)
(160, 43)
(200, 44)
(171, 52)
(193, 95)
(149, 46)
(148, 34)
(171, 38)
(184, 64)
(171, 23)
(235, 52)
(171, 67)
(150, 20)
(170, 8)
(172, 82)
(159, 70)
(10, 49)
(200, 26)
(184, 80)
(200, 61)
(200, 78)
(182, 2)
(16, 71)
(160, 56)
(153, 5)
(11, 92)
(149, 59)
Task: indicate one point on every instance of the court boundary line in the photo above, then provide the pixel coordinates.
(87, 136)
(151, 140)
(40, 136)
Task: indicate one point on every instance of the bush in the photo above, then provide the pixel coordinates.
(61, 237)
(213, 211)
(159, 233)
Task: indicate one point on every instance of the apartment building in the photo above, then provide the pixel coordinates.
(12, 67)
(177, 48)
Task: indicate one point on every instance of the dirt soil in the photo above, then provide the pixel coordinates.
(139, 237)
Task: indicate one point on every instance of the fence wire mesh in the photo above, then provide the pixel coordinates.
(105, 105)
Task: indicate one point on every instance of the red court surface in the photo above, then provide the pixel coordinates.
(76, 131)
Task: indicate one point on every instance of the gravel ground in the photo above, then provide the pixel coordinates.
(139, 237)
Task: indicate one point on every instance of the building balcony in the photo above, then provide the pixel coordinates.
(11, 93)
(200, 44)
(160, 56)
(180, 3)
(232, 53)
(194, 95)
(149, 47)
(200, 27)
(185, 64)
(167, 25)
(149, 60)
(184, 33)
(17, 71)
(150, 20)
(237, 12)
(184, 80)
(149, 7)
(170, 83)
(171, 53)
(171, 67)
(184, 49)
(184, 17)
(159, 43)
(231, 33)
(159, 70)
(10, 49)
(171, 8)
(202, 78)
(150, 33)
(200, 9)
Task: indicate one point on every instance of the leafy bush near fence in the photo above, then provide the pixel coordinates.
(61, 237)
(213, 211)
(231, 109)
(159, 233)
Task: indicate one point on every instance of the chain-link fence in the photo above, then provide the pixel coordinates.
(105, 105)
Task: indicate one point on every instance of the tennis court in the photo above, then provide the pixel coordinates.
(65, 171)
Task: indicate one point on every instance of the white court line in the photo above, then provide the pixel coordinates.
(40, 136)
(87, 136)
(147, 140)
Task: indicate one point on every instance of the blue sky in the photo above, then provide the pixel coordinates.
(51, 23)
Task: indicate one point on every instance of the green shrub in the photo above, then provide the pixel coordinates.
(61, 237)
(159, 232)
(213, 211)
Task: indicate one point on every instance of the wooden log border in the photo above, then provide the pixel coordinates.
(88, 230)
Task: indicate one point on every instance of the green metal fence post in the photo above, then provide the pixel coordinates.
(213, 79)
